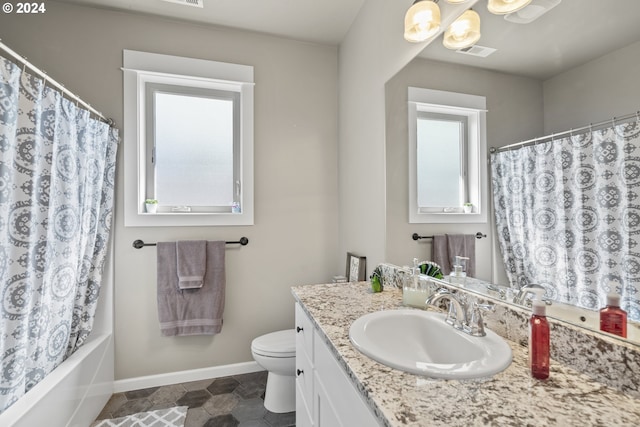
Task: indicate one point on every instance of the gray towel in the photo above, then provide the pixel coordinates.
(190, 311)
(447, 246)
(440, 253)
(463, 245)
(192, 263)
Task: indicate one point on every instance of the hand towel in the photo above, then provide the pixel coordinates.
(192, 263)
(447, 246)
(440, 253)
(462, 245)
(190, 311)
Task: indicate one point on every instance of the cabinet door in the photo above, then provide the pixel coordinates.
(338, 402)
(304, 388)
(303, 413)
(326, 415)
(304, 369)
(304, 332)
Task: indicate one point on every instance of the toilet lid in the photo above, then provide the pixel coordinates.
(276, 344)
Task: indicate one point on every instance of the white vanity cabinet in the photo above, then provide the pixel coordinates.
(325, 397)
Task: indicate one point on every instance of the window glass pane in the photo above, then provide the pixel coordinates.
(193, 150)
(439, 160)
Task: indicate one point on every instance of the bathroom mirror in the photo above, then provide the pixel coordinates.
(512, 78)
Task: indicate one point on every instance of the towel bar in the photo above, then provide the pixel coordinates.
(139, 244)
(415, 236)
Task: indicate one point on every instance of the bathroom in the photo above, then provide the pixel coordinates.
(346, 193)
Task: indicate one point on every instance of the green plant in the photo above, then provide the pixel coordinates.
(151, 201)
(468, 204)
(376, 280)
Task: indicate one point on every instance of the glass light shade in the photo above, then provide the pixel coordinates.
(502, 7)
(464, 32)
(421, 21)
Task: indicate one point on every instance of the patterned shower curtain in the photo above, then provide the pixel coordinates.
(568, 216)
(57, 168)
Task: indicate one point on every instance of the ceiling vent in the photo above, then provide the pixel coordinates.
(532, 11)
(194, 3)
(476, 50)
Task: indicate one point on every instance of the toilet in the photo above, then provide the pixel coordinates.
(276, 353)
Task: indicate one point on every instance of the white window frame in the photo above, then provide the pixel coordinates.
(141, 68)
(473, 107)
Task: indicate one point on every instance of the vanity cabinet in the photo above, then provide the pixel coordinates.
(325, 397)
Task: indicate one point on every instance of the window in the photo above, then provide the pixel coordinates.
(446, 144)
(189, 141)
(442, 148)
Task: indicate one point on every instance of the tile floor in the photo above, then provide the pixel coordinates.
(237, 400)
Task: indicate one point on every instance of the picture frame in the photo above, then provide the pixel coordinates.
(356, 267)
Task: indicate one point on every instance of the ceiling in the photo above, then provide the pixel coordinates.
(572, 33)
(324, 21)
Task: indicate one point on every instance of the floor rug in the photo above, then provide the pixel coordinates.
(170, 417)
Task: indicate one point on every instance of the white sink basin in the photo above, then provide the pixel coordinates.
(420, 342)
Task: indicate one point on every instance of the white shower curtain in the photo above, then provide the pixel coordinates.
(57, 169)
(568, 216)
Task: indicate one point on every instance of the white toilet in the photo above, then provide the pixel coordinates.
(276, 352)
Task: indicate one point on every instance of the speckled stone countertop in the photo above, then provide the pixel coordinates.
(510, 398)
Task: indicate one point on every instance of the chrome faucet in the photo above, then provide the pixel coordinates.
(457, 316)
(533, 289)
(462, 316)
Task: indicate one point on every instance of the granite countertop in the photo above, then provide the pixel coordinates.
(512, 397)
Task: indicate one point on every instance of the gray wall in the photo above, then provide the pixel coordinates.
(294, 239)
(599, 90)
(514, 113)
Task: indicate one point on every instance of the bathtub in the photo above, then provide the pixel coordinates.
(74, 393)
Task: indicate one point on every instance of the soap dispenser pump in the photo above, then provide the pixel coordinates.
(459, 275)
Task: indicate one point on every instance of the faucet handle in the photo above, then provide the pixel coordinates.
(476, 323)
(456, 310)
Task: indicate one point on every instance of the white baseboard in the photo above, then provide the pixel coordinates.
(138, 383)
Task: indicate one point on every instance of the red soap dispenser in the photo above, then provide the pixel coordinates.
(613, 319)
(539, 342)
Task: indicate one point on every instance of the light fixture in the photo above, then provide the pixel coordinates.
(421, 21)
(533, 11)
(464, 32)
(502, 7)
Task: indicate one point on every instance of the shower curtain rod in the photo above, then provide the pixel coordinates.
(614, 121)
(53, 82)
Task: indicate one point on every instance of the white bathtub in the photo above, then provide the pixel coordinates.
(73, 394)
(77, 390)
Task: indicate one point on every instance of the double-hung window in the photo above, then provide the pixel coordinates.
(189, 134)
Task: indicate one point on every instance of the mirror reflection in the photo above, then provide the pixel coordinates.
(522, 297)
(546, 77)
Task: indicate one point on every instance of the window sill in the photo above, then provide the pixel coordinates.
(448, 218)
(186, 213)
(187, 219)
(451, 213)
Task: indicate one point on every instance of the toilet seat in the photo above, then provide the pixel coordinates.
(276, 344)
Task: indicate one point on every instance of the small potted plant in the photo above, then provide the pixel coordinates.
(151, 205)
(467, 207)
